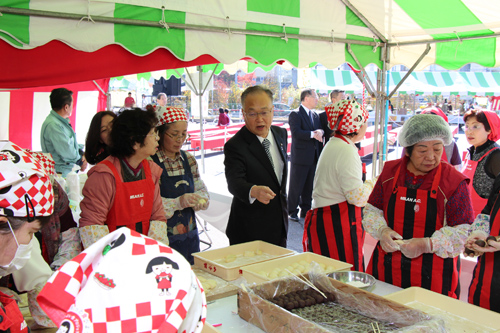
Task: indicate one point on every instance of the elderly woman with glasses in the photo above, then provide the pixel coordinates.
(123, 190)
(183, 191)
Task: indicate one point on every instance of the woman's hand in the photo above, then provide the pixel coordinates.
(387, 237)
(415, 247)
(492, 245)
(201, 205)
(189, 200)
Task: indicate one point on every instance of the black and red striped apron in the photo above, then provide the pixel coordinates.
(469, 170)
(484, 289)
(337, 232)
(413, 213)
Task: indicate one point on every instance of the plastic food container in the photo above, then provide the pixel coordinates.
(262, 272)
(214, 261)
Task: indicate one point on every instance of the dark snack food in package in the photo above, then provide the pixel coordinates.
(322, 304)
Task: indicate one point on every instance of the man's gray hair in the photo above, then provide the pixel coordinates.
(255, 89)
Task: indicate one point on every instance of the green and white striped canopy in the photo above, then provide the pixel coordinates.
(302, 32)
(428, 83)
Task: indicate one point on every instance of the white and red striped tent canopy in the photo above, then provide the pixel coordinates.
(22, 111)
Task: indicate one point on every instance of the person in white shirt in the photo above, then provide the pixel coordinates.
(333, 226)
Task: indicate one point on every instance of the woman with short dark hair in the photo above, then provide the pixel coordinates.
(97, 142)
(482, 163)
(123, 190)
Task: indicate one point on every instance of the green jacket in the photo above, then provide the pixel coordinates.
(58, 138)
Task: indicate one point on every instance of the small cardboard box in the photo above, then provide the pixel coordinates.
(212, 261)
(477, 318)
(251, 272)
(254, 307)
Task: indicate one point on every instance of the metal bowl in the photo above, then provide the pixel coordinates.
(353, 278)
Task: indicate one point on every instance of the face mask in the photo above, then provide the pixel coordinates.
(20, 259)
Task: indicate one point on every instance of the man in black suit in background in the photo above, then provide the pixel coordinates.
(256, 173)
(307, 142)
(335, 96)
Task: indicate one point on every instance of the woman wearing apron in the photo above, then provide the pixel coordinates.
(420, 212)
(182, 190)
(482, 164)
(123, 190)
(26, 204)
(484, 289)
(333, 226)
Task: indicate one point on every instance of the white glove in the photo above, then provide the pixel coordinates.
(387, 236)
(415, 247)
(202, 204)
(189, 200)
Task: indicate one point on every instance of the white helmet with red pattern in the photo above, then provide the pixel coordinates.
(25, 188)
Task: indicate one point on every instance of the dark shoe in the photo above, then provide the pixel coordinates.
(294, 218)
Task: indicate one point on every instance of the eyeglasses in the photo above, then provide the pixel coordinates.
(253, 115)
(176, 137)
(473, 127)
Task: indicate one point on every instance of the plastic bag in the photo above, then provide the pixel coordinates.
(363, 308)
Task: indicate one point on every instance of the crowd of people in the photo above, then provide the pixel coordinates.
(143, 190)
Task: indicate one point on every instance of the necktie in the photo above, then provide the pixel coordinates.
(311, 117)
(266, 145)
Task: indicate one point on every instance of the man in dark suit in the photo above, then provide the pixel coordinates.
(256, 173)
(307, 142)
(335, 96)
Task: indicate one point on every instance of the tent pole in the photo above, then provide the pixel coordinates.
(385, 105)
(369, 85)
(370, 26)
(200, 96)
(199, 91)
(107, 94)
(386, 119)
(427, 49)
(383, 120)
(377, 122)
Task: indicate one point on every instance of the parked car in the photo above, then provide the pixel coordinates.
(281, 110)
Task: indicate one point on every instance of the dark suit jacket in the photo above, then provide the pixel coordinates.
(246, 164)
(305, 150)
(323, 120)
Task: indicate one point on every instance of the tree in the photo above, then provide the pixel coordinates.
(234, 96)
(291, 96)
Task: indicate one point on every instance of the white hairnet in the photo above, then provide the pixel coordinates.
(424, 127)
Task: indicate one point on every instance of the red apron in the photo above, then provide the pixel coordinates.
(133, 203)
(10, 315)
(337, 232)
(413, 213)
(484, 289)
(469, 169)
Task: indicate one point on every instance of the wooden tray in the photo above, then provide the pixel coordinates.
(459, 316)
(213, 261)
